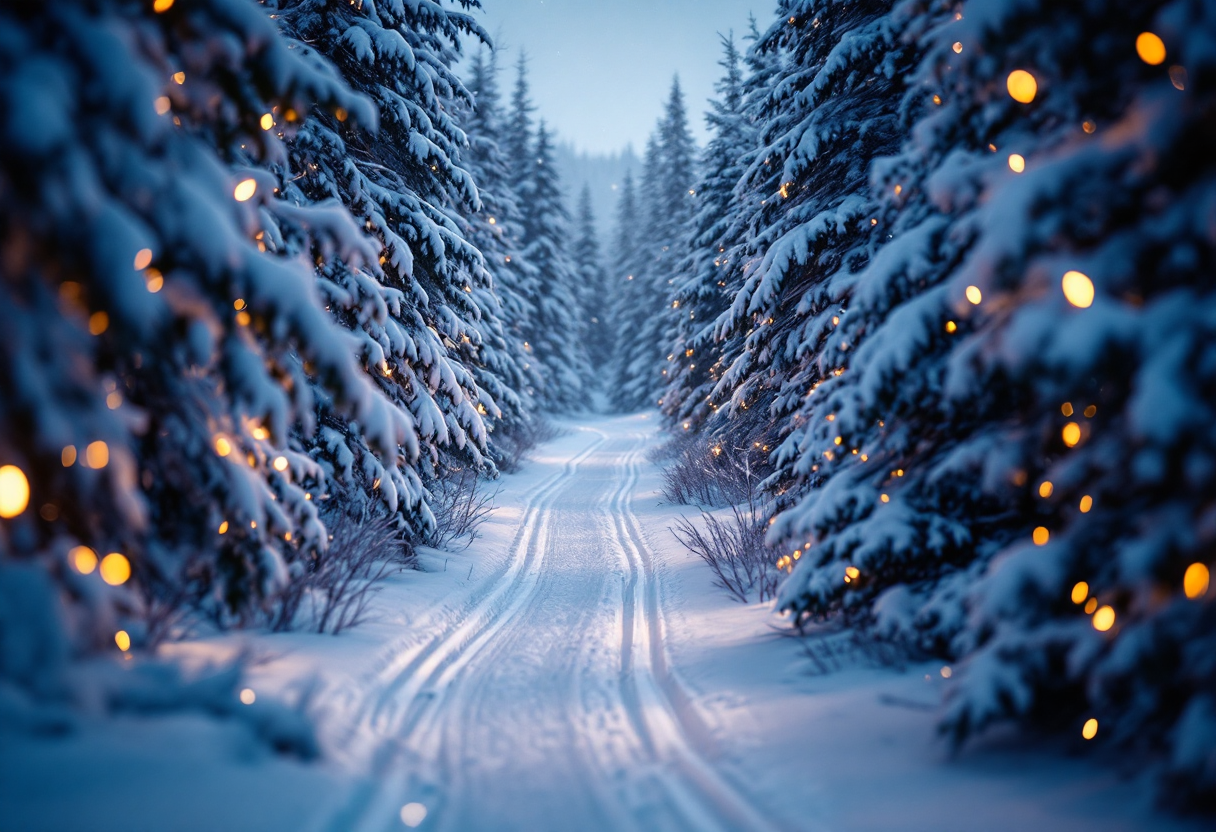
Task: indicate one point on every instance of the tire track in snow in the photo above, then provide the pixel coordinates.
(405, 690)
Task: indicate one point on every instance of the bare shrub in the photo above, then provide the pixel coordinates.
(734, 547)
(513, 442)
(707, 474)
(337, 585)
(460, 502)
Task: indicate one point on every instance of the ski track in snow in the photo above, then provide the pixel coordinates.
(549, 702)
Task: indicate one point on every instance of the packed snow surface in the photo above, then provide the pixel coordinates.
(573, 669)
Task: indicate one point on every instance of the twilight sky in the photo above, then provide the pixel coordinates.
(601, 69)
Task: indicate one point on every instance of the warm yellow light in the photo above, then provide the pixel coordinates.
(1017, 162)
(1090, 729)
(1104, 619)
(245, 190)
(159, 6)
(1150, 48)
(14, 491)
(238, 304)
(1087, 503)
(162, 105)
(1091, 411)
(1195, 581)
(839, 440)
(1045, 489)
(885, 498)
(1071, 434)
(179, 78)
(222, 446)
(68, 456)
(1041, 536)
(99, 322)
(280, 463)
(248, 697)
(123, 640)
(1022, 86)
(958, 48)
(154, 280)
(1078, 289)
(947, 672)
(1090, 606)
(97, 455)
(1066, 408)
(84, 559)
(224, 527)
(974, 295)
(115, 569)
(951, 327)
(1080, 592)
(143, 259)
(267, 121)
(853, 572)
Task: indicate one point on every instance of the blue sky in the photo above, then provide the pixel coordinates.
(600, 69)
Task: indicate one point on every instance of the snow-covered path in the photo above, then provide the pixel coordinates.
(548, 703)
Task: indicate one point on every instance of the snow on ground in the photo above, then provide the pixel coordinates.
(573, 669)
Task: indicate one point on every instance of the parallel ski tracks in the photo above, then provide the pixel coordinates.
(669, 745)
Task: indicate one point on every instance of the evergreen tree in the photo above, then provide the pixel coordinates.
(592, 286)
(695, 361)
(159, 359)
(1022, 365)
(556, 336)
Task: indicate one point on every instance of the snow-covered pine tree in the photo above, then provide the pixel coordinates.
(156, 361)
(694, 365)
(1027, 383)
(624, 287)
(418, 313)
(592, 286)
(669, 189)
(556, 336)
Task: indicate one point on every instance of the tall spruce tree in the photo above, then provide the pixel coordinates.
(591, 285)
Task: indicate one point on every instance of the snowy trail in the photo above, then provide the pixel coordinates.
(549, 702)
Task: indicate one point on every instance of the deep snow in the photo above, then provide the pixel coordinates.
(573, 669)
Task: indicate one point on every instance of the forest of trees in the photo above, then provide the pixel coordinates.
(945, 268)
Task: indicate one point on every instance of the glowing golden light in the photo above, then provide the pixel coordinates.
(413, 814)
(248, 697)
(1090, 729)
(99, 322)
(1080, 592)
(1091, 411)
(1017, 162)
(1087, 503)
(958, 48)
(224, 527)
(97, 455)
(853, 572)
(14, 491)
(260, 432)
(947, 672)
(84, 559)
(238, 304)
(162, 105)
(1090, 606)
(154, 280)
(951, 327)
(222, 446)
(1022, 86)
(245, 190)
(1104, 619)
(1088, 126)
(1071, 434)
(1195, 581)
(179, 78)
(159, 6)
(143, 259)
(267, 121)
(68, 456)
(839, 440)
(114, 400)
(1078, 289)
(885, 498)
(1041, 536)
(1045, 489)
(974, 295)
(115, 569)
(280, 463)
(1150, 48)
(123, 640)
(1066, 408)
